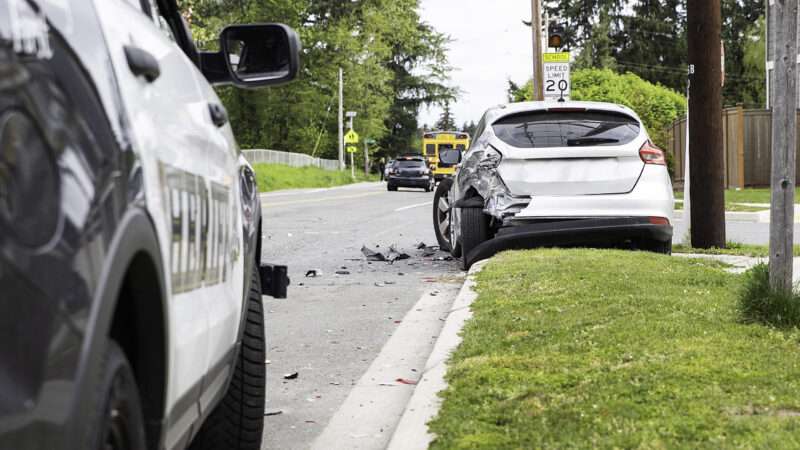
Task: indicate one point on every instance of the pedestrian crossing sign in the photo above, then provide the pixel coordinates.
(351, 137)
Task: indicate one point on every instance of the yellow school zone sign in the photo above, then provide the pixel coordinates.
(562, 57)
(351, 137)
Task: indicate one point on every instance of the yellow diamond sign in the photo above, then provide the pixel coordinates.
(351, 137)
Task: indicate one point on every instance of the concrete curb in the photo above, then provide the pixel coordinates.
(374, 406)
(751, 217)
(412, 430)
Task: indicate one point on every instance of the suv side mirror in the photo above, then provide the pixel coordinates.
(450, 157)
(253, 56)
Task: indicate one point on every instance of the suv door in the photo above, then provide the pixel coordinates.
(169, 124)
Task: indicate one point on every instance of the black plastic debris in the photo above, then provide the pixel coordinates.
(342, 272)
(421, 246)
(395, 255)
(312, 273)
(291, 376)
(429, 251)
(444, 258)
(273, 412)
(372, 255)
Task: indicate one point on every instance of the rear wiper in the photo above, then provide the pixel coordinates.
(590, 141)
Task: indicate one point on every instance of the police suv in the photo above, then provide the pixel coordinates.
(130, 229)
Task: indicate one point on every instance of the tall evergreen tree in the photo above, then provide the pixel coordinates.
(446, 120)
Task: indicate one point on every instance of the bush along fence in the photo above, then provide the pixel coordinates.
(289, 159)
(747, 140)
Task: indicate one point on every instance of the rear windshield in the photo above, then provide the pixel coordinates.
(412, 163)
(544, 129)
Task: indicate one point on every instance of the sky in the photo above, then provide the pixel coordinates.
(490, 46)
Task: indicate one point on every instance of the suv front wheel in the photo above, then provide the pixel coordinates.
(237, 423)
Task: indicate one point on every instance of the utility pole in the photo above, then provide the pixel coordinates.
(784, 145)
(538, 71)
(706, 160)
(341, 119)
(366, 158)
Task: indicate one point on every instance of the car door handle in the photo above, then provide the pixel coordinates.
(142, 63)
(218, 114)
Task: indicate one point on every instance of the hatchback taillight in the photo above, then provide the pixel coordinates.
(651, 154)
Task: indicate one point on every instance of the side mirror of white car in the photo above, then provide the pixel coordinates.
(253, 56)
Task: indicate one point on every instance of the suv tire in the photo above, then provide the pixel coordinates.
(441, 213)
(474, 231)
(391, 187)
(117, 421)
(237, 422)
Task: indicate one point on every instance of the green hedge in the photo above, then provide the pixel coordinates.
(656, 105)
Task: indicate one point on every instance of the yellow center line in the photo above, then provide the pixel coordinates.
(317, 200)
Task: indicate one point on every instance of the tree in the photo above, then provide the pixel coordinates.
(469, 128)
(446, 120)
(393, 62)
(753, 90)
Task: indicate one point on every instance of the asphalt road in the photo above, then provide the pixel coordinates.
(333, 326)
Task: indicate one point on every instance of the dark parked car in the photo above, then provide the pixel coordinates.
(410, 171)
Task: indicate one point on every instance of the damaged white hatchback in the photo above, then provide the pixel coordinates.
(555, 174)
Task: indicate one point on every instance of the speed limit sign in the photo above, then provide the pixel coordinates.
(556, 76)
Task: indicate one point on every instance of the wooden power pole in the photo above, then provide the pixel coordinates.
(784, 145)
(538, 71)
(706, 160)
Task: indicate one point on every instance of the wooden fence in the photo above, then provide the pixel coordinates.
(746, 136)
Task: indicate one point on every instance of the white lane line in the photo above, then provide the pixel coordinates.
(267, 204)
(413, 206)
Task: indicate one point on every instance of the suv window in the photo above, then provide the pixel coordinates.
(543, 129)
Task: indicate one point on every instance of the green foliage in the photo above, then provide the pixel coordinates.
(656, 105)
(731, 248)
(609, 349)
(759, 303)
(274, 177)
(754, 90)
(648, 38)
(392, 62)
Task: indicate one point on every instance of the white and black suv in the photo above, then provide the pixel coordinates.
(130, 229)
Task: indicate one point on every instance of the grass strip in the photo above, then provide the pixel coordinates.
(274, 177)
(615, 349)
(746, 195)
(732, 248)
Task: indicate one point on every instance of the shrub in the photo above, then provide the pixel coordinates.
(761, 304)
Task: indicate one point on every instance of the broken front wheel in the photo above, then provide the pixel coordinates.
(442, 223)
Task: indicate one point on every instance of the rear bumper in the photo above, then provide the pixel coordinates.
(581, 232)
(410, 181)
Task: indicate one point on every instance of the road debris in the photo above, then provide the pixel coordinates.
(405, 381)
(291, 376)
(421, 246)
(372, 255)
(313, 273)
(342, 272)
(273, 412)
(395, 255)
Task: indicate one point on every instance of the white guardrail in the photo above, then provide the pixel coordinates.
(289, 159)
